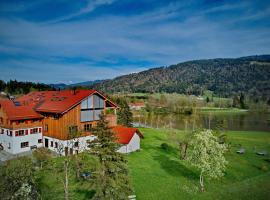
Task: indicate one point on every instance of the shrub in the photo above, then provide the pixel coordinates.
(264, 168)
(164, 146)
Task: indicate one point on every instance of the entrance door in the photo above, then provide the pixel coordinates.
(46, 142)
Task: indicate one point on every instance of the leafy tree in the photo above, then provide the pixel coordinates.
(124, 115)
(207, 154)
(112, 175)
(242, 101)
(42, 156)
(17, 180)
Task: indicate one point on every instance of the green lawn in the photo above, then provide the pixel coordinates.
(157, 174)
(221, 110)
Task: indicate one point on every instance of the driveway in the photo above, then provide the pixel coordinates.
(4, 156)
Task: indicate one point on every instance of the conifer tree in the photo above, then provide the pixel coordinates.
(111, 177)
(124, 115)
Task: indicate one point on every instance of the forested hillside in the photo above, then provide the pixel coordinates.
(226, 77)
(19, 87)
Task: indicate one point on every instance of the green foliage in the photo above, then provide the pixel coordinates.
(224, 77)
(42, 156)
(124, 115)
(164, 146)
(111, 177)
(18, 87)
(17, 180)
(207, 154)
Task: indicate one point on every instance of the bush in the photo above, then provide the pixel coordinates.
(264, 168)
(164, 146)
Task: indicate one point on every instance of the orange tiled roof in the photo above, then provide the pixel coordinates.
(47, 101)
(18, 112)
(125, 134)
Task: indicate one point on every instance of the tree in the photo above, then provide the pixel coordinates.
(112, 175)
(207, 154)
(17, 180)
(42, 156)
(242, 101)
(124, 115)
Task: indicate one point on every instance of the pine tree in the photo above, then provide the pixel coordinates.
(112, 175)
(124, 115)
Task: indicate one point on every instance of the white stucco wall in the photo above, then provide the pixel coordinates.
(82, 141)
(133, 145)
(12, 144)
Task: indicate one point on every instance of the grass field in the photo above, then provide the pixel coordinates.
(221, 110)
(157, 174)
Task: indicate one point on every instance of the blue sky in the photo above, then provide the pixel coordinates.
(70, 41)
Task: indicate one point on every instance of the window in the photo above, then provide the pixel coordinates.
(91, 108)
(46, 128)
(76, 144)
(98, 101)
(2, 131)
(73, 129)
(9, 145)
(87, 127)
(21, 132)
(39, 141)
(51, 143)
(55, 145)
(34, 130)
(9, 133)
(24, 144)
(97, 114)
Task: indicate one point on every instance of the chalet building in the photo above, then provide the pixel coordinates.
(48, 118)
(136, 105)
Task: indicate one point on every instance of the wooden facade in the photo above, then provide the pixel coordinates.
(57, 126)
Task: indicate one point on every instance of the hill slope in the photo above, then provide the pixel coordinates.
(223, 76)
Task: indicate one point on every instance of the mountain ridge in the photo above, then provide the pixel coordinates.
(224, 76)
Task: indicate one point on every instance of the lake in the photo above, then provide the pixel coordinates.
(244, 121)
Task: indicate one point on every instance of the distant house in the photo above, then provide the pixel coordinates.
(129, 138)
(136, 105)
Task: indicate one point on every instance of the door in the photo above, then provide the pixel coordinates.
(46, 142)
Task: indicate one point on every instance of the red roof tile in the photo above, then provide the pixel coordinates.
(125, 134)
(57, 101)
(18, 112)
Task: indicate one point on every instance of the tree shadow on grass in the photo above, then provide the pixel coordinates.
(88, 194)
(174, 168)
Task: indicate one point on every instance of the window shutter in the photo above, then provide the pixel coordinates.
(17, 123)
(31, 131)
(26, 132)
(16, 133)
(39, 130)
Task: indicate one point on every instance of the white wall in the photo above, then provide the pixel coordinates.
(14, 142)
(133, 145)
(83, 145)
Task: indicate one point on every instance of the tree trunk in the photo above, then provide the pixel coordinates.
(66, 179)
(183, 150)
(201, 182)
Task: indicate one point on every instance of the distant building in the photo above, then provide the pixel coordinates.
(129, 138)
(45, 119)
(136, 105)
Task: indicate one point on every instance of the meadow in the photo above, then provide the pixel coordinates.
(159, 174)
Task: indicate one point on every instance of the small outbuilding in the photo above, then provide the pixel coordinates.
(129, 138)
